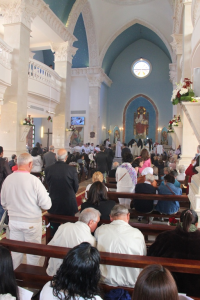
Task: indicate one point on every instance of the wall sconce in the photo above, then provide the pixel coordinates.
(121, 128)
(103, 128)
(159, 129)
(42, 132)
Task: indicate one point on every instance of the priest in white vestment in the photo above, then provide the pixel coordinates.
(118, 150)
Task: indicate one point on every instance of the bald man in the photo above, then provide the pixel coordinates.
(62, 181)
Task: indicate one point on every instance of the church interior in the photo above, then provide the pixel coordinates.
(74, 72)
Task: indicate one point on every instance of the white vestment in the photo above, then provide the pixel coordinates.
(120, 237)
(118, 150)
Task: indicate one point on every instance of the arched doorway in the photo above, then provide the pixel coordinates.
(129, 116)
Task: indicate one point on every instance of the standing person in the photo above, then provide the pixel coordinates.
(107, 143)
(111, 156)
(118, 150)
(191, 170)
(147, 161)
(37, 160)
(49, 158)
(38, 145)
(62, 181)
(120, 237)
(4, 172)
(12, 163)
(126, 178)
(24, 195)
(125, 149)
(102, 161)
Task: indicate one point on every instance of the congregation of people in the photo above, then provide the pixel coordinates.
(24, 196)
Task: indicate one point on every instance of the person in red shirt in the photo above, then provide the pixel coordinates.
(190, 171)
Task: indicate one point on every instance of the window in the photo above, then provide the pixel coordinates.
(141, 68)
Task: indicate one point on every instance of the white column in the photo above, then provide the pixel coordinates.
(64, 53)
(194, 193)
(187, 34)
(17, 21)
(95, 81)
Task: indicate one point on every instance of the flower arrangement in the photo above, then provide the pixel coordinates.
(71, 128)
(109, 132)
(173, 221)
(183, 92)
(28, 121)
(173, 122)
(49, 119)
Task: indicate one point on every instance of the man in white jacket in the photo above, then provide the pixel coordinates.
(120, 237)
(24, 196)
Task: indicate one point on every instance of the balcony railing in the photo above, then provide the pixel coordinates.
(5, 54)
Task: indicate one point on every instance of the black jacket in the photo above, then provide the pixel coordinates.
(144, 206)
(183, 245)
(125, 150)
(102, 162)
(110, 154)
(4, 170)
(62, 181)
(104, 207)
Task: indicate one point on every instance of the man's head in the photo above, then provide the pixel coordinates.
(51, 148)
(115, 165)
(198, 149)
(125, 145)
(25, 162)
(92, 144)
(102, 148)
(62, 155)
(14, 156)
(91, 217)
(109, 145)
(1, 151)
(181, 169)
(120, 212)
(166, 170)
(150, 178)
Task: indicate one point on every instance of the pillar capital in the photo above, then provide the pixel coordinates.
(177, 44)
(18, 11)
(95, 80)
(63, 51)
(173, 73)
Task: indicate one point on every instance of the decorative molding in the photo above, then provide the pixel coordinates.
(128, 2)
(177, 44)
(195, 11)
(96, 72)
(139, 21)
(191, 121)
(91, 35)
(173, 73)
(74, 14)
(2, 92)
(15, 11)
(63, 51)
(126, 107)
(24, 130)
(177, 16)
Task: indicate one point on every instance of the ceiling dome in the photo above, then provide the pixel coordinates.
(128, 2)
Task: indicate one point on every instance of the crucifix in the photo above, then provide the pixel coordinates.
(48, 133)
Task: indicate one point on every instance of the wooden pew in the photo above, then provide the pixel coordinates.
(146, 229)
(113, 181)
(36, 277)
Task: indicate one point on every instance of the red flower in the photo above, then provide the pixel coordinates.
(173, 220)
(178, 95)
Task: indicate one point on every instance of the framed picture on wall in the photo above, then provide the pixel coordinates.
(77, 136)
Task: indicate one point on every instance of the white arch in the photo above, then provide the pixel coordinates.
(83, 6)
(133, 22)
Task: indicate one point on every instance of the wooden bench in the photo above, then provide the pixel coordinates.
(146, 229)
(36, 277)
(113, 181)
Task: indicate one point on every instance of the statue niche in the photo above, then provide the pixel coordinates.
(141, 123)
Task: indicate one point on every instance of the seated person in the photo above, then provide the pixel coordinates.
(137, 163)
(146, 171)
(120, 237)
(181, 175)
(176, 183)
(159, 163)
(112, 172)
(168, 207)
(97, 198)
(155, 172)
(183, 242)
(155, 282)
(146, 158)
(72, 234)
(144, 206)
(78, 276)
(166, 171)
(97, 176)
(74, 163)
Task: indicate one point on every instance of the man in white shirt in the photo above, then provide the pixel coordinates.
(78, 148)
(24, 195)
(92, 148)
(120, 237)
(73, 234)
(107, 143)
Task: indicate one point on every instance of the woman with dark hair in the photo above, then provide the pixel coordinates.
(126, 178)
(155, 283)
(78, 276)
(168, 207)
(97, 198)
(8, 283)
(183, 242)
(146, 158)
(137, 163)
(191, 170)
(37, 161)
(40, 152)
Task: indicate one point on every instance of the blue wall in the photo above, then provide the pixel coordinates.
(44, 56)
(61, 8)
(132, 108)
(125, 86)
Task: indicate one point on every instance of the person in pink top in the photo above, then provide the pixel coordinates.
(147, 161)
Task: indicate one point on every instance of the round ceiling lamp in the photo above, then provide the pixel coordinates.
(128, 2)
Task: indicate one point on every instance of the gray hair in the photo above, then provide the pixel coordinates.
(181, 168)
(150, 177)
(62, 157)
(119, 210)
(89, 214)
(167, 169)
(115, 165)
(198, 148)
(51, 148)
(24, 159)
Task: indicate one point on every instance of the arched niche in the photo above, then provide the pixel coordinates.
(128, 117)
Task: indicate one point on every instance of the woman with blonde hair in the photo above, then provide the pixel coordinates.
(97, 176)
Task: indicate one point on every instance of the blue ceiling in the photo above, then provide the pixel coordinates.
(126, 38)
(61, 8)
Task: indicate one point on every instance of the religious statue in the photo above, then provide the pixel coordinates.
(141, 123)
(77, 136)
(164, 137)
(116, 135)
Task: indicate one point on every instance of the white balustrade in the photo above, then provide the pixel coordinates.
(5, 54)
